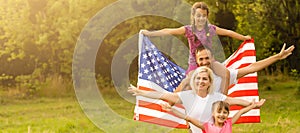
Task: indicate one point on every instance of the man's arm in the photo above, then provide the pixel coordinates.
(257, 66)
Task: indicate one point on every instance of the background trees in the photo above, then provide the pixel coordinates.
(37, 38)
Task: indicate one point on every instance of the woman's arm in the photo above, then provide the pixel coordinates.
(173, 98)
(243, 111)
(238, 101)
(257, 66)
(224, 73)
(230, 33)
(166, 31)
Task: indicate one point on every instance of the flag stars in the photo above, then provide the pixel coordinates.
(153, 61)
(156, 67)
(143, 65)
(148, 62)
(149, 77)
(152, 69)
(140, 75)
(166, 86)
(145, 56)
(146, 71)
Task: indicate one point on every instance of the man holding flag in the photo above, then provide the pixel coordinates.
(204, 57)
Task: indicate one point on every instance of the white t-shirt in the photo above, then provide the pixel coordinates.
(218, 80)
(198, 107)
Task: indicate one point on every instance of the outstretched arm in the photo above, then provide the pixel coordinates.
(257, 66)
(195, 122)
(166, 31)
(244, 110)
(173, 98)
(232, 34)
(238, 101)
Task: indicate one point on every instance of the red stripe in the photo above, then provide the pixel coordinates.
(149, 105)
(162, 122)
(154, 106)
(248, 119)
(252, 79)
(243, 44)
(145, 88)
(240, 56)
(244, 65)
(244, 93)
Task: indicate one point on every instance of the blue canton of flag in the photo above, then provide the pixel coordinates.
(155, 67)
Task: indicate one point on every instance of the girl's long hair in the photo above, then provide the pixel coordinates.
(202, 6)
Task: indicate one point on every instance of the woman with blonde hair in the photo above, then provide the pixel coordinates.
(198, 101)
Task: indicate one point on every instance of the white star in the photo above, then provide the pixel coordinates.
(159, 73)
(145, 56)
(155, 67)
(143, 65)
(146, 71)
(166, 86)
(152, 69)
(165, 63)
(153, 61)
(140, 75)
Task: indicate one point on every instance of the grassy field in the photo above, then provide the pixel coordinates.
(280, 114)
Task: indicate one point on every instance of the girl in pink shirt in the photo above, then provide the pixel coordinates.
(200, 32)
(220, 113)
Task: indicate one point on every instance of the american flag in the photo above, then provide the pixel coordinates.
(158, 73)
(247, 86)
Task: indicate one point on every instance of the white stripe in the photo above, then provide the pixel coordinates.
(161, 115)
(251, 75)
(252, 112)
(242, 87)
(244, 60)
(247, 46)
(150, 84)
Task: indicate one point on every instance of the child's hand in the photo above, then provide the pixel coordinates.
(145, 32)
(248, 37)
(166, 106)
(132, 89)
(260, 103)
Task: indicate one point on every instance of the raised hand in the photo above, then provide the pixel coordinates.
(259, 104)
(285, 52)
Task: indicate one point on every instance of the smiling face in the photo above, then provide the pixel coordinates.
(202, 81)
(200, 17)
(220, 113)
(203, 58)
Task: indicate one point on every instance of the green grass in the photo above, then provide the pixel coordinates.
(280, 114)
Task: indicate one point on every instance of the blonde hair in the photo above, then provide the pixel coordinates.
(210, 89)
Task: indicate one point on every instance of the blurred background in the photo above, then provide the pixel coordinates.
(38, 38)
